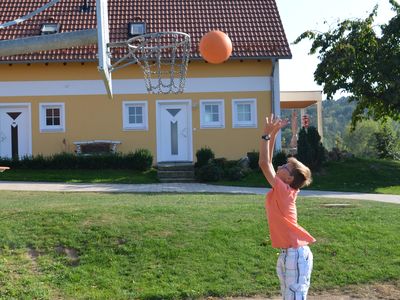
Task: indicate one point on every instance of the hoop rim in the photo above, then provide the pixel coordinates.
(156, 34)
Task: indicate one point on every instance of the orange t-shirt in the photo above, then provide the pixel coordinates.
(280, 205)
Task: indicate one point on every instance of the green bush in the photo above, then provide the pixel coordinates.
(220, 162)
(234, 173)
(97, 161)
(220, 168)
(62, 161)
(253, 159)
(204, 156)
(209, 172)
(223, 163)
(140, 160)
(28, 162)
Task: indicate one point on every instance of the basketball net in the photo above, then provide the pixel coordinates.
(164, 58)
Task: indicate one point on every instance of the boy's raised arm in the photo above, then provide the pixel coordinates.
(267, 144)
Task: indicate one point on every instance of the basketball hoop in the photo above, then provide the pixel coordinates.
(164, 58)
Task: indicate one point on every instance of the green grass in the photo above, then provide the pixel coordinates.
(354, 175)
(360, 175)
(81, 176)
(164, 246)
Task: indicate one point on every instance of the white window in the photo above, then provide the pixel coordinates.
(134, 115)
(52, 117)
(244, 113)
(212, 114)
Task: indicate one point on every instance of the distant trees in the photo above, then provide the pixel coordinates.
(361, 140)
(363, 60)
(373, 139)
(368, 139)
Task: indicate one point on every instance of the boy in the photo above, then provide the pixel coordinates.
(295, 260)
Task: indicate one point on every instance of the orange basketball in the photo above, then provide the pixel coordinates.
(215, 47)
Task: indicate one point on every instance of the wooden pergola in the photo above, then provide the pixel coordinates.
(301, 100)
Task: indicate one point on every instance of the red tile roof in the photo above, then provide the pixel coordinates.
(254, 26)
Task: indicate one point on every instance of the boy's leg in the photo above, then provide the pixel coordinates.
(298, 267)
(280, 270)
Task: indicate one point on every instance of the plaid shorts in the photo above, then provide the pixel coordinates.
(294, 271)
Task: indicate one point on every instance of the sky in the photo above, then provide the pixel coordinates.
(297, 16)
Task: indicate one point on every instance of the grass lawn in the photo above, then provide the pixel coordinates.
(81, 176)
(355, 175)
(164, 246)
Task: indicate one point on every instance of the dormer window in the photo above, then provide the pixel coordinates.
(50, 28)
(136, 28)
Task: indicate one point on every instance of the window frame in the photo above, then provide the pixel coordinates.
(42, 117)
(221, 114)
(136, 28)
(50, 28)
(126, 126)
(253, 113)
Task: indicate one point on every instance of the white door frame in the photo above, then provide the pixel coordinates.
(29, 118)
(188, 103)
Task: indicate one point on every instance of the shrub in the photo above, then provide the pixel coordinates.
(220, 162)
(204, 155)
(209, 172)
(223, 163)
(336, 154)
(253, 159)
(63, 161)
(30, 162)
(97, 161)
(234, 173)
(219, 168)
(142, 160)
(310, 150)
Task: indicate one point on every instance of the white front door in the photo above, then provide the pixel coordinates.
(174, 131)
(15, 131)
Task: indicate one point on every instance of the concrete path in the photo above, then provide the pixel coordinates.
(179, 188)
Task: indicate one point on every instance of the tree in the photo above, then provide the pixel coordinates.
(386, 142)
(363, 60)
(361, 141)
(310, 150)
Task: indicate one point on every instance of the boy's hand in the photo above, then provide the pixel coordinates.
(274, 124)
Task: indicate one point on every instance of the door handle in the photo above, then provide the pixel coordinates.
(184, 132)
(3, 137)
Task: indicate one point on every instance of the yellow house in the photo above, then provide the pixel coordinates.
(55, 101)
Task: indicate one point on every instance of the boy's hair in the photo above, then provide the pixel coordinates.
(301, 174)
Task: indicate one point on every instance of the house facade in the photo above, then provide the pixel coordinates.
(55, 101)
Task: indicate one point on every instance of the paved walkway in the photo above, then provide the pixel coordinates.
(179, 188)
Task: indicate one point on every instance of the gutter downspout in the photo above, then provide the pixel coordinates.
(276, 99)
